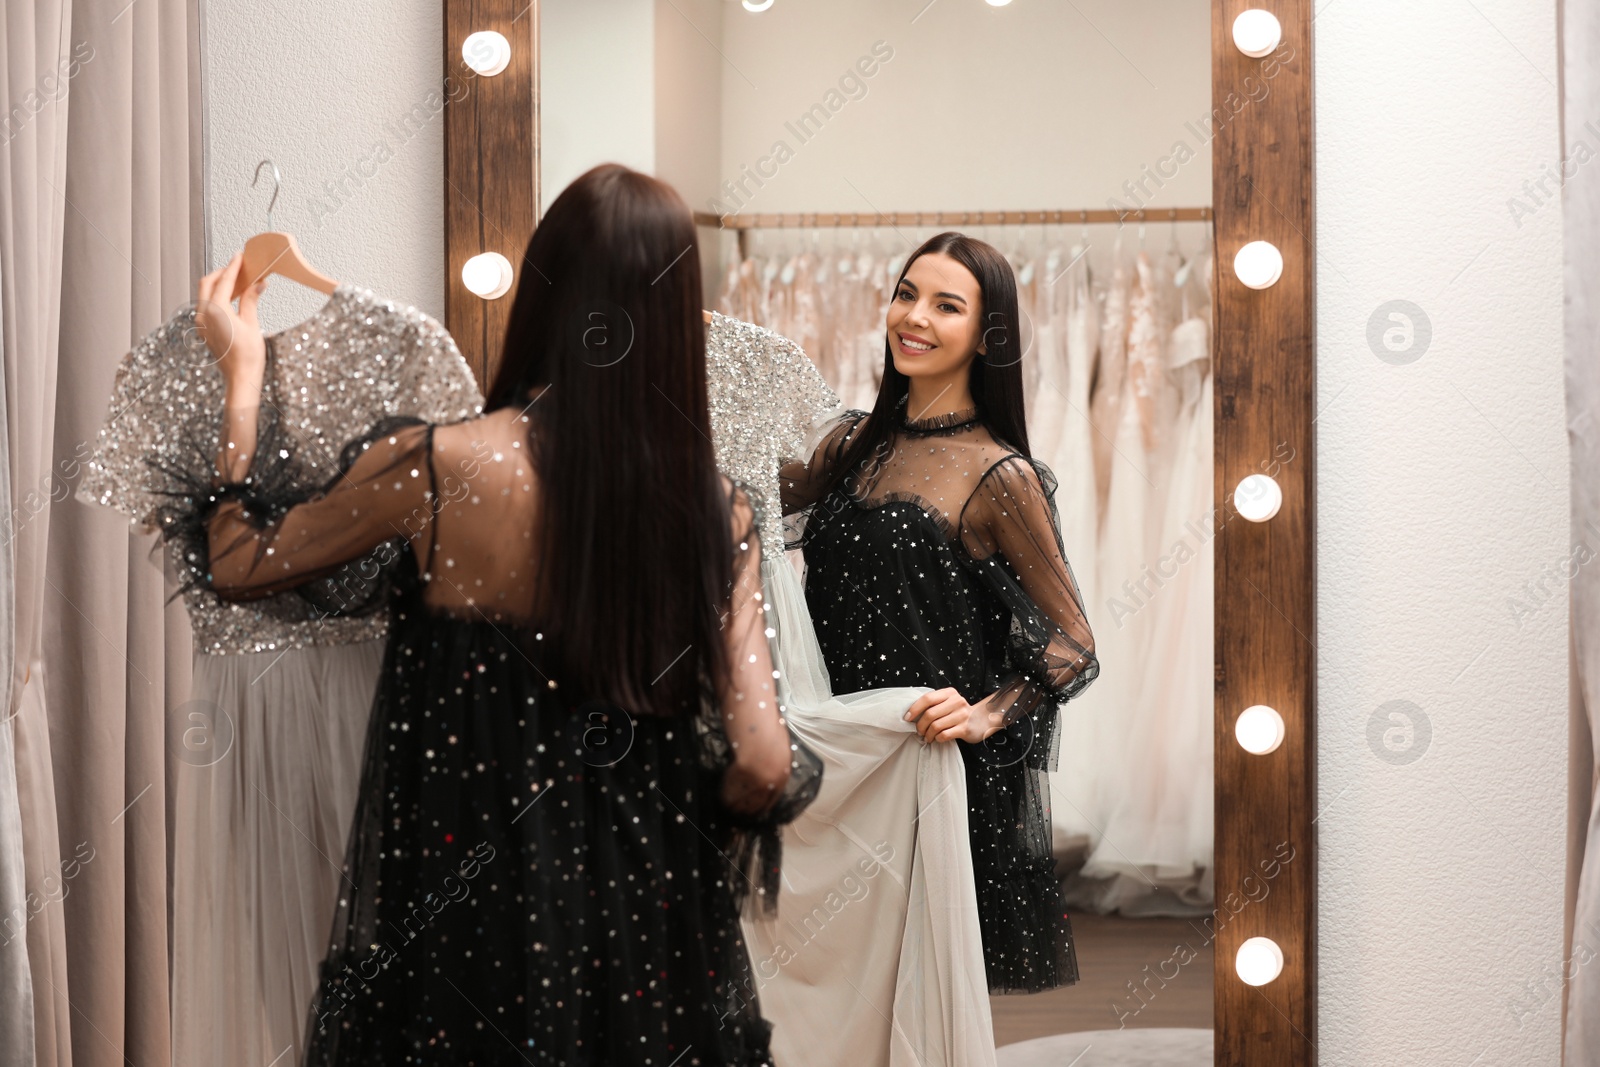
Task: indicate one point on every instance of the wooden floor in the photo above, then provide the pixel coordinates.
(1113, 956)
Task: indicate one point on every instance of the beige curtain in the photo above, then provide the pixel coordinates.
(100, 240)
(16, 984)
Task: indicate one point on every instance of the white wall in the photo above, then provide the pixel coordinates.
(597, 89)
(1026, 106)
(966, 107)
(689, 77)
(1442, 490)
(348, 100)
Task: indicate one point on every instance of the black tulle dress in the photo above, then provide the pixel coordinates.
(533, 876)
(940, 563)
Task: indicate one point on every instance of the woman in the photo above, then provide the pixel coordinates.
(576, 768)
(934, 558)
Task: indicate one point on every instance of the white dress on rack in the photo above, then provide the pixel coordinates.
(1049, 413)
(1037, 349)
(1075, 784)
(267, 752)
(1163, 826)
(1155, 856)
(875, 957)
(1125, 613)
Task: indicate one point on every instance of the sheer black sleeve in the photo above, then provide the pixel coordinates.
(752, 724)
(802, 482)
(263, 535)
(1011, 528)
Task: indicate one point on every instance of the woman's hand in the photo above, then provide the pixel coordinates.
(945, 715)
(234, 337)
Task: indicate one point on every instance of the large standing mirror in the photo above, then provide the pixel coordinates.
(1144, 170)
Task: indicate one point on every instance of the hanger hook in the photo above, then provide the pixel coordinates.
(276, 181)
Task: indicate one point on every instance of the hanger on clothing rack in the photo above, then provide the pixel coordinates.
(273, 252)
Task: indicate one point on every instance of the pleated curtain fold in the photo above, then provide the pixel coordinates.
(101, 239)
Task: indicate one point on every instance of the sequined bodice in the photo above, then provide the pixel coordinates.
(355, 361)
(765, 394)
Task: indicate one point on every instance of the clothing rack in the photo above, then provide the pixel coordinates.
(743, 224)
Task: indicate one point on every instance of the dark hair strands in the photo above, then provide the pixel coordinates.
(633, 523)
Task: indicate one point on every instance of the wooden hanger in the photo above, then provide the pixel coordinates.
(707, 314)
(273, 252)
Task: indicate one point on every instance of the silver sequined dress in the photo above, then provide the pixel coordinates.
(765, 396)
(357, 360)
(267, 749)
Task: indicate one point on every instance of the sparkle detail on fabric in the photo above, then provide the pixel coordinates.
(357, 360)
(763, 392)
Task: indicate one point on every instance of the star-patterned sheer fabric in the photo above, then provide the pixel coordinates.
(939, 562)
(533, 875)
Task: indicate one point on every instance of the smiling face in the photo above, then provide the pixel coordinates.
(935, 317)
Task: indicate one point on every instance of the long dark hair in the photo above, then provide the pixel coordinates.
(633, 522)
(995, 376)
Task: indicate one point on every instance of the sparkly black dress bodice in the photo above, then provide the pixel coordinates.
(939, 564)
(914, 612)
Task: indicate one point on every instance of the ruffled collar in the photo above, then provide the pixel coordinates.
(947, 423)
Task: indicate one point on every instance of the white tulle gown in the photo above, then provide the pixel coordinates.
(1154, 778)
(1074, 791)
(1174, 821)
(876, 955)
(1119, 751)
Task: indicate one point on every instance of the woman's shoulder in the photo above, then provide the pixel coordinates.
(1010, 481)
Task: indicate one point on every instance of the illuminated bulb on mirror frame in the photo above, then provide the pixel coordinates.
(1258, 961)
(1257, 33)
(487, 274)
(1258, 264)
(757, 6)
(998, 3)
(1258, 498)
(1259, 729)
(486, 52)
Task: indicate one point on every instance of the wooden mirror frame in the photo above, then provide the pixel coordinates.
(1264, 410)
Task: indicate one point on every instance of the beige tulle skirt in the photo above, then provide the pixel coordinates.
(269, 755)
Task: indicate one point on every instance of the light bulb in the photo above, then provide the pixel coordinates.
(486, 52)
(1258, 264)
(1258, 961)
(757, 6)
(1257, 32)
(1259, 729)
(1258, 498)
(488, 274)
(998, 3)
